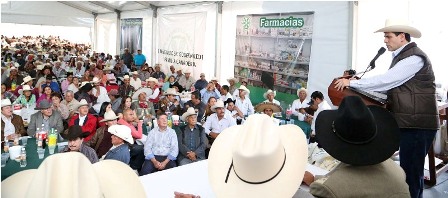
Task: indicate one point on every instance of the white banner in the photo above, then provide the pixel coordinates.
(181, 41)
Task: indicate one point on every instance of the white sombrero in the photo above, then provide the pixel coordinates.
(27, 79)
(400, 25)
(258, 159)
(146, 90)
(171, 91)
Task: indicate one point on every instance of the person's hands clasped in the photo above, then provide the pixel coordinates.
(341, 84)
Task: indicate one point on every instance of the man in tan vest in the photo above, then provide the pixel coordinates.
(411, 97)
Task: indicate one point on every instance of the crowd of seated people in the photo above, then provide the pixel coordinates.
(75, 90)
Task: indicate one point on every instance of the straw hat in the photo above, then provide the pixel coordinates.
(268, 105)
(121, 131)
(218, 104)
(400, 25)
(6, 102)
(265, 95)
(72, 175)
(171, 91)
(232, 79)
(258, 159)
(109, 116)
(190, 111)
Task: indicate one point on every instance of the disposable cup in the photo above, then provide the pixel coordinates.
(41, 153)
(24, 141)
(51, 149)
(5, 157)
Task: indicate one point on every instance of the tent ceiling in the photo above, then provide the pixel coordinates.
(103, 7)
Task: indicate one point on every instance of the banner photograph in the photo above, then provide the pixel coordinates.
(181, 41)
(131, 34)
(273, 50)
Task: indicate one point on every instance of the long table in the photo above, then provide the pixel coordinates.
(32, 159)
(191, 178)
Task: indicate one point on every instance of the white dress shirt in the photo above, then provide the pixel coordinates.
(273, 101)
(224, 97)
(213, 124)
(136, 83)
(394, 77)
(102, 97)
(322, 106)
(245, 106)
(296, 105)
(82, 119)
(9, 127)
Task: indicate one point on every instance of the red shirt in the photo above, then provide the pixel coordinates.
(88, 126)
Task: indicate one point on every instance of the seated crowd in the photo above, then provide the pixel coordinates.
(89, 97)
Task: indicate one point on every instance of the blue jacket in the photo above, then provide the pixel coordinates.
(121, 153)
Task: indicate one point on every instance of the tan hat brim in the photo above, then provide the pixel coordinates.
(414, 32)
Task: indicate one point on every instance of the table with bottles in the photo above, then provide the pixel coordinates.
(32, 158)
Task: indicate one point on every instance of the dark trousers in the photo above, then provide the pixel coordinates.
(137, 157)
(148, 166)
(414, 145)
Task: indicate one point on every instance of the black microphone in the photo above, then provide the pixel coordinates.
(380, 52)
(372, 62)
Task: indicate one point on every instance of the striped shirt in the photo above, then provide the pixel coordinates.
(394, 77)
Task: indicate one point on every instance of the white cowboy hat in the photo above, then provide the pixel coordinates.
(107, 69)
(268, 105)
(232, 79)
(40, 67)
(151, 79)
(186, 71)
(258, 159)
(27, 79)
(171, 91)
(77, 177)
(265, 95)
(24, 88)
(135, 73)
(109, 116)
(242, 87)
(111, 78)
(121, 131)
(190, 111)
(95, 80)
(140, 90)
(16, 65)
(218, 104)
(83, 83)
(214, 79)
(300, 90)
(81, 103)
(400, 25)
(6, 102)
(126, 77)
(13, 68)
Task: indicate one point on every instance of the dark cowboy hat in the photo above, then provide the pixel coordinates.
(357, 134)
(229, 100)
(74, 132)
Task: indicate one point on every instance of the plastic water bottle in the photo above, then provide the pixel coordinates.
(37, 135)
(288, 112)
(23, 157)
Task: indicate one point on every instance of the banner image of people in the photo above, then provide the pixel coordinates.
(181, 41)
(273, 50)
(131, 34)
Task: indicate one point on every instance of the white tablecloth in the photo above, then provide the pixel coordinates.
(191, 178)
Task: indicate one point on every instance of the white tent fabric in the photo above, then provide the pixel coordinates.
(44, 13)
